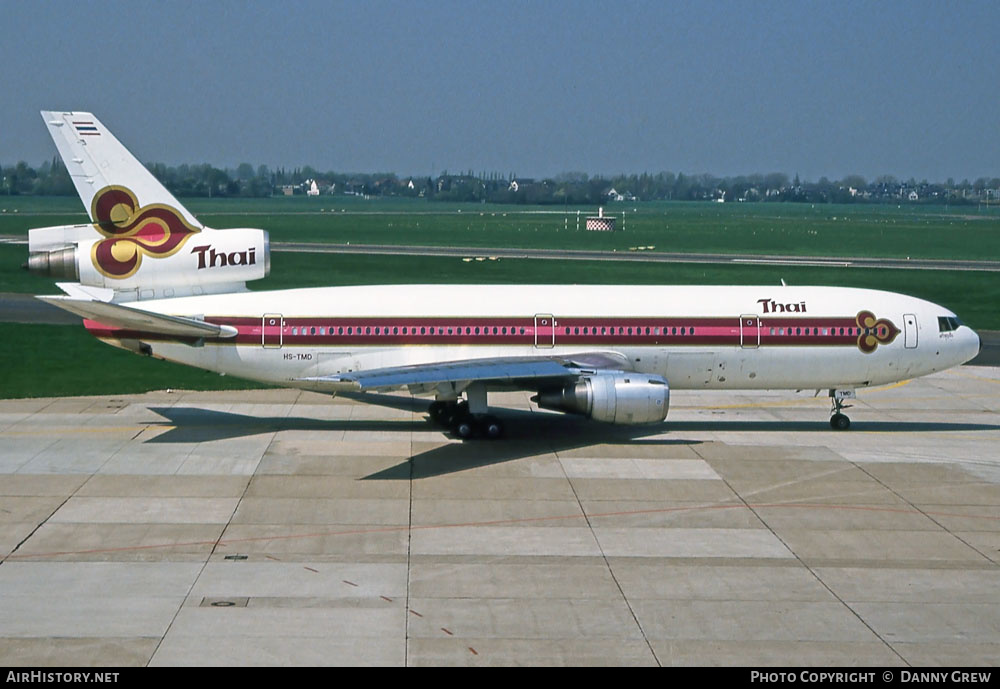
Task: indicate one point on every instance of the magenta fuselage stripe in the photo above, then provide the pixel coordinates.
(590, 332)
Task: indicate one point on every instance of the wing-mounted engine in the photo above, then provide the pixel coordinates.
(152, 265)
(621, 398)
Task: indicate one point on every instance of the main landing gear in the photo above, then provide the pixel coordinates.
(839, 420)
(456, 416)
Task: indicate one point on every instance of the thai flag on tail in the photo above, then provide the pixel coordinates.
(84, 128)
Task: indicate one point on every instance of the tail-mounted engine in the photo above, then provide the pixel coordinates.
(622, 398)
(156, 264)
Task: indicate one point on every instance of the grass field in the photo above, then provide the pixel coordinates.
(43, 360)
(65, 360)
(796, 229)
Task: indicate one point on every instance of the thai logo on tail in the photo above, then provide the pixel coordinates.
(874, 331)
(131, 232)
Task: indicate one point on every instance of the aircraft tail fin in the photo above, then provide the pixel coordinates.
(95, 160)
(141, 243)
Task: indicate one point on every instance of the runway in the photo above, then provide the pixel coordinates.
(279, 527)
(641, 256)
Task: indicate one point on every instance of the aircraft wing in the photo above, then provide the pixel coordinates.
(131, 318)
(522, 372)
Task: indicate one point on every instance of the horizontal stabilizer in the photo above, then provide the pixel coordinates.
(86, 292)
(130, 318)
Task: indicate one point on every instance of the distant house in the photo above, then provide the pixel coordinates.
(613, 195)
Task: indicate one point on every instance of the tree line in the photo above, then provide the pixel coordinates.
(570, 188)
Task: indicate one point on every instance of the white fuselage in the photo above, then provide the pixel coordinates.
(696, 337)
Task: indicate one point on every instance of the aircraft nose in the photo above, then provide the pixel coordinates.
(979, 340)
(978, 345)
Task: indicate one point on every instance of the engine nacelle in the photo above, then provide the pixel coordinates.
(60, 264)
(152, 266)
(622, 398)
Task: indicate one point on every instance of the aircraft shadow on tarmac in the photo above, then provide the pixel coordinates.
(527, 433)
(194, 425)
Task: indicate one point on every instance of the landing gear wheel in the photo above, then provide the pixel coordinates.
(840, 422)
(490, 427)
(464, 427)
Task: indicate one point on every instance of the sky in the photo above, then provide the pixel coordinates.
(907, 89)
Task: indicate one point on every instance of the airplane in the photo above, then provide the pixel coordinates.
(148, 277)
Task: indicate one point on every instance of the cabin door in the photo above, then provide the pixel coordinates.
(749, 331)
(545, 331)
(272, 328)
(909, 330)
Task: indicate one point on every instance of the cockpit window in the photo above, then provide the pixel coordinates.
(947, 324)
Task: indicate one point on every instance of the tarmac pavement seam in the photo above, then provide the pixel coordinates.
(607, 563)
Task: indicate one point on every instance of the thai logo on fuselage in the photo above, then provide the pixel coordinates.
(874, 332)
(131, 232)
